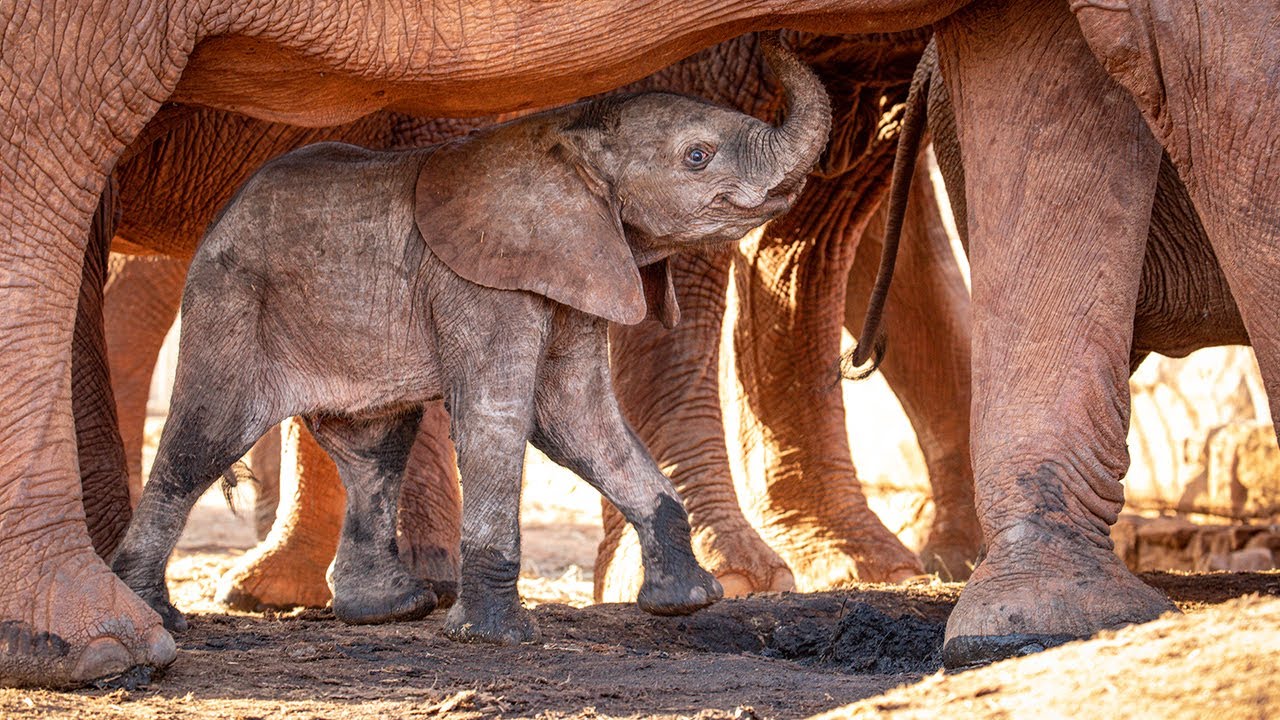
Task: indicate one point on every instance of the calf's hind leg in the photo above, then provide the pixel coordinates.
(579, 425)
(370, 583)
(201, 439)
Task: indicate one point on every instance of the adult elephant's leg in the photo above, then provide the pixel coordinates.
(288, 568)
(430, 521)
(1060, 174)
(71, 108)
(104, 477)
(141, 301)
(927, 365)
(790, 290)
(1204, 76)
(667, 382)
(264, 461)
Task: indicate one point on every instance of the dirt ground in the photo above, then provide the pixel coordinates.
(782, 655)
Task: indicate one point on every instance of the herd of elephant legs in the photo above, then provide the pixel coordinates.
(786, 306)
(669, 384)
(1062, 112)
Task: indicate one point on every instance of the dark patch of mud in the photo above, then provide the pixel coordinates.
(865, 640)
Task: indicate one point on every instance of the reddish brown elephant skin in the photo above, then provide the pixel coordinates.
(141, 301)
(1048, 432)
(1184, 302)
(101, 458)
(821, 524)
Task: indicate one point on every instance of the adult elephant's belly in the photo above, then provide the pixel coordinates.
(272, 82)
(430, 59)
(1185, 303)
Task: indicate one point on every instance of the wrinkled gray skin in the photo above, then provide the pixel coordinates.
(387, 325)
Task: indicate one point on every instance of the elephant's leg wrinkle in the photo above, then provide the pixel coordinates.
(104, 475)
(65, 618)
(490, 403)
(370, 584)
(582, 428)
(1052, 343)
(927, 367)
(790, 291)
(56, 151)
(431, 507)
(140, 303)
(667, 383)
(288, 568)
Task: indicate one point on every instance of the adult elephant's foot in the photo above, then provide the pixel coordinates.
(741, 561)
(66, 620)
(1037, 589)
(839, 550)
(737, 557)
(277, 575)
(953, 547)
(288, 568)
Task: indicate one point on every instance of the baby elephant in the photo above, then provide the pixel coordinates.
(349, 287)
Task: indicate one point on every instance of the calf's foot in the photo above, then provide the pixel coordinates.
(365, 593)
(490, 619)
(142, 573)
(1038, 588)
(76, 623)
(674, 582)
(680, 592)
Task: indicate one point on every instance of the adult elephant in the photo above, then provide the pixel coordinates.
(1048, 437)
(790, 286)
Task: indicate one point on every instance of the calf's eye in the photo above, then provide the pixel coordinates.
(696, 158)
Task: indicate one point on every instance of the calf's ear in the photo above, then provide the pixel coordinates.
(660, 293)
(516, 208)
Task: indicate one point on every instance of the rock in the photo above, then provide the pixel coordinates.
(1254, 559)
(1171, 543)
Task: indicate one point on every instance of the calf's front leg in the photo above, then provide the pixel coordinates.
(490, 404)
(578, 424)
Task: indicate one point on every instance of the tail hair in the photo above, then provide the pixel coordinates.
(231, 478)
(851, 369)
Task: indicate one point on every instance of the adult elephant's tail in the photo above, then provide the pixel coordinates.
(872, 341)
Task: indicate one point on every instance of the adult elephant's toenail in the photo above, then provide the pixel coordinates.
(736, 584)
(102, 658)
(161, 649)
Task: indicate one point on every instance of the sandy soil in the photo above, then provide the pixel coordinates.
(1220, 662)
(780, 655)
